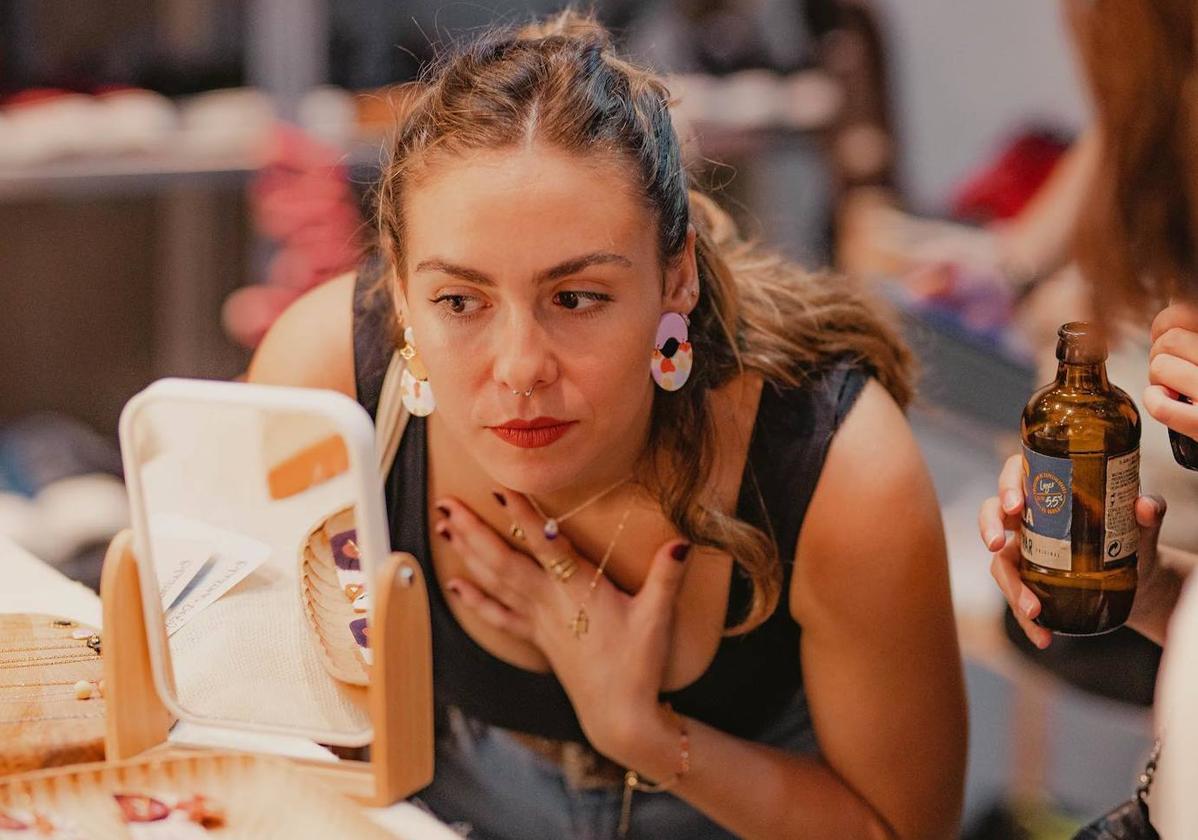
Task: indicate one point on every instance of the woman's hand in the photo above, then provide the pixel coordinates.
(613, 671)
(1155, 588)
(1173, 369)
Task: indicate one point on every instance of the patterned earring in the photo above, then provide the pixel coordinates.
(414, 390)
(672, 353)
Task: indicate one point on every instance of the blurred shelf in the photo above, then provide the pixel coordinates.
(84, 177)
(147, 173)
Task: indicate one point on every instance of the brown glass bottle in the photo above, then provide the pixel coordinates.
(1081, 445)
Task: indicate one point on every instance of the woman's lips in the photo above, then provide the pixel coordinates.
(531, 434)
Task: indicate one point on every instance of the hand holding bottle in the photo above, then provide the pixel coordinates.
(1156, 591)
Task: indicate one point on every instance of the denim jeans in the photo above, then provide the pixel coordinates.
(490, 786)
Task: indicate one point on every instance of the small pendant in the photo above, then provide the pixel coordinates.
(581, 623)
(551, 530)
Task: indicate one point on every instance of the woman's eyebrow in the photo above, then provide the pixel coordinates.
(558, 271)
(576, 265)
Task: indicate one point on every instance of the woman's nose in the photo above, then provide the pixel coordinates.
(524, 356)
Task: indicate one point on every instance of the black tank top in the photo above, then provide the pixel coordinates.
(753, 675)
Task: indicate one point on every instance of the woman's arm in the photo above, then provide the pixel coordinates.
(311, 344)
(881, 665)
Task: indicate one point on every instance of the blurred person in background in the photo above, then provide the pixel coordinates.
(1129, 198)
(538, 230)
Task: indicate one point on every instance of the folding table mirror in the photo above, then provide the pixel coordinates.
(257, 590)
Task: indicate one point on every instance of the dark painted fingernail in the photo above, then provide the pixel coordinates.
(680, 551)
(499, 498)
(444, 511)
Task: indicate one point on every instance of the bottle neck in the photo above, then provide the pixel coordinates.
(1083, 376)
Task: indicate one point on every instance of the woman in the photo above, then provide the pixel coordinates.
(622, 557)
(1138, 245)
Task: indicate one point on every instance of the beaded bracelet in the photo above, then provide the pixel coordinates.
(633, 781)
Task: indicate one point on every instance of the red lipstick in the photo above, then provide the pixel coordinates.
(534, 433)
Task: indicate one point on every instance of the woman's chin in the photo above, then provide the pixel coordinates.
(535, 472)
(533, 476)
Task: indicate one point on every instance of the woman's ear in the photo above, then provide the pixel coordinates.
(680, 292)
(399, 297)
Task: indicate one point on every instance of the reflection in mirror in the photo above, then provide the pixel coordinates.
(250, 513)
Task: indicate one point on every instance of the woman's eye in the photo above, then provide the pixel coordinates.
(580, 301)
(457, 304)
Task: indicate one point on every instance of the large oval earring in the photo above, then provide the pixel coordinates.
(414, 390)
(673, 357)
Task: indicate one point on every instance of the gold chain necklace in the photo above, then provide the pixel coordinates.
(552, 523)
(581, 622)
(82, 716)
(51, 696)
(46, 660)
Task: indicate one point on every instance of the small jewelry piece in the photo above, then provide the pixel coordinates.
(58, 695)
(516, 531)
(83, 716)
(414, 390)
(552, 523)
(581, 622)
(45, 661)
(563, 568)
(632, 779)
(673, 356)
(527, 393)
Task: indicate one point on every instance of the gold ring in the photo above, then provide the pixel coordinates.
(563, 568)
(516, 531)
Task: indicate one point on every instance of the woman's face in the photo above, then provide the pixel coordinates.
(534, 268)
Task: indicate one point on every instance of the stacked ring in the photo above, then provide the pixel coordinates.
(563, 568)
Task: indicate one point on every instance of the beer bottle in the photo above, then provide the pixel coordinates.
(1081, 465)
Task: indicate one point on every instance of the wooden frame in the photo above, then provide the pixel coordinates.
(400, 693)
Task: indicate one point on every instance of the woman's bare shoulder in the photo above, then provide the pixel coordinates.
(874, 509)
(311, 344)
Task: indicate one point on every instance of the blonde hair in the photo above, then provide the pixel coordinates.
(560, 82)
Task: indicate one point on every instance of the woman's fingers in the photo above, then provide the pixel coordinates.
(507, 575)
(1175, 373)
(990, 524)
(1002, 513)
(1162, 403)
(489, 609)
(1150, 514)
(552, 552)
(1004, 568)
(1010, 490)
(1176, 341)
(1178, 316)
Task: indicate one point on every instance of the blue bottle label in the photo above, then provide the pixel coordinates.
(1047, 510)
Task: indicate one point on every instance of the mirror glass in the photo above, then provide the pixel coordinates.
(246, 510)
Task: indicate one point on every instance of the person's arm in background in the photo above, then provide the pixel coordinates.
(311, 344)
(1038, 242)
